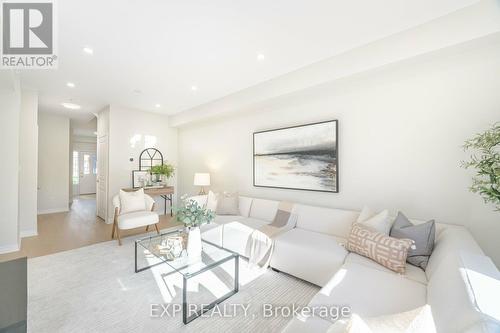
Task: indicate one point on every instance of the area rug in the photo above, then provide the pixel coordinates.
(95, 289)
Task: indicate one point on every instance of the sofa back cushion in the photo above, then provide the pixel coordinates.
(263, 209)
(245, 205)
(331, 221)
(464, 293)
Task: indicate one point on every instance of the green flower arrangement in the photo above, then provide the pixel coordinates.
(485, 160)
(166, 170)
(191, 214)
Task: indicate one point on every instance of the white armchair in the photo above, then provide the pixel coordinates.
(134, 219)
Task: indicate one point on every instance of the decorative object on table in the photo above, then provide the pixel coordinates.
(171, 247)
(149, 158)
(202, 179)
(140, 178)
(192, 215)
(485, 159)
(162, 172)
(301, 157)
(423, 235)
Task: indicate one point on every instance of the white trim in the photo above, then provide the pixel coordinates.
(9, 248)
(28, 233)
(52, 210)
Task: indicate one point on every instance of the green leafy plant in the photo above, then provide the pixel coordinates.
(485, 160)
(166, 170)
(192, 214)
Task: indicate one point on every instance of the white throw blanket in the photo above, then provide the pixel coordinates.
(262, 242)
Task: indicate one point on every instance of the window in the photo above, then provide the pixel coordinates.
(86, 164)
(76, 177)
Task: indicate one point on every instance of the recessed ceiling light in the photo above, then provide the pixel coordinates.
(70, 84)
(260, 57)
(71, 106)
(157, 105)
(88, 50)
(194, 88)
(137, 91)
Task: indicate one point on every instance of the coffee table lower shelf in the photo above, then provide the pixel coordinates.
(186, 319)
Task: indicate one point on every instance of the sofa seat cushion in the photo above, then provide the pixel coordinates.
(212, 233)
(307, 325)
(137, 219)
(371, 292)
(411, 272)
(223, 219)
(236, 235)
(308, 255)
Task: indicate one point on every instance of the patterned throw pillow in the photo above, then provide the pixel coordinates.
(387, 251)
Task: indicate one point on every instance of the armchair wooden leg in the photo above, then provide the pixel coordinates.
(157, 230)
(147, 227)
(113, 230)
(118, 235)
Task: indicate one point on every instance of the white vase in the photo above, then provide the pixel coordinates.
(194, 243)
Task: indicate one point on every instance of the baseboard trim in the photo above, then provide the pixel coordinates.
(28, 233)
(52, 210)
(9, 248)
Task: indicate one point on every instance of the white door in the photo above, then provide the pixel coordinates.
(88, 172)
(102, 177)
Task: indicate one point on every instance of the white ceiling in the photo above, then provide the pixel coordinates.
(163, 47)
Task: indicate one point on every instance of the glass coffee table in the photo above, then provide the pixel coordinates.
(212, 256)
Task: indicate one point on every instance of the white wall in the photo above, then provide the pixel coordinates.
(53, 163)
(28, 163)
(130, 132)
(10, 104)
(400, 134)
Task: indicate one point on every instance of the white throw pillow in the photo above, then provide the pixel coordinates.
(212, 199)
(132, 201)
(379, 222)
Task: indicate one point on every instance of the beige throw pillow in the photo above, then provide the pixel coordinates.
(388, 251)
(228, 204)
(132, 201)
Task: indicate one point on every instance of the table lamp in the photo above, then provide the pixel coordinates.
(202, 179)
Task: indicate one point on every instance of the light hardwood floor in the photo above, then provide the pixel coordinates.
(76, 228)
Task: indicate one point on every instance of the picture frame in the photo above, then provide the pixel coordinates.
(138, 176)
(302, 157)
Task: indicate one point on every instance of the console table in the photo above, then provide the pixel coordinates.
(165, 192)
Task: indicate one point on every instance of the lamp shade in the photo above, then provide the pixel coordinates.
(201, 179)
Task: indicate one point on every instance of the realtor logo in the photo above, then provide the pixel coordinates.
(28, 35)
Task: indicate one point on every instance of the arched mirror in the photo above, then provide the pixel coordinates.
(149, 158)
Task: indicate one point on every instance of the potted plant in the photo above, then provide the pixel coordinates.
(163, 172)
(193, 215)
(485, 159)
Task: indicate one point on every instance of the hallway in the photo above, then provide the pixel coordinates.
(69, 230)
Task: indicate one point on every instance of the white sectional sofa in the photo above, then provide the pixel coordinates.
(460, 287)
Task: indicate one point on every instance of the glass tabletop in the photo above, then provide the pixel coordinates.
(160, 247)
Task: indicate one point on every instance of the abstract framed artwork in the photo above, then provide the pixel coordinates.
(303, 157)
